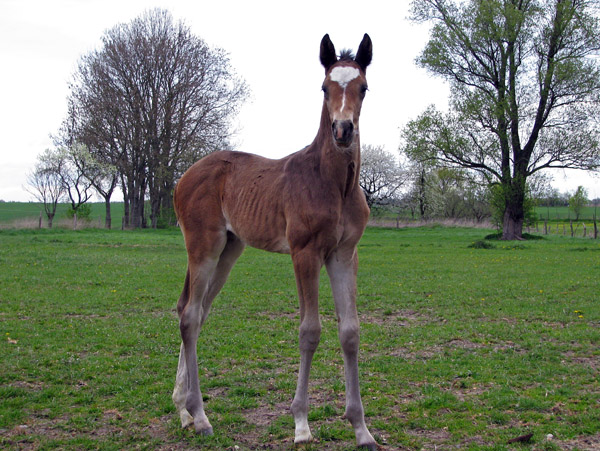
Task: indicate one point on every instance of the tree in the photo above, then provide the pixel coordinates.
(71, 168)
(419, 196)
(525, 91)
(45, 183)
(152, 100)
(380, 175)
(439, 192)
(577, 201)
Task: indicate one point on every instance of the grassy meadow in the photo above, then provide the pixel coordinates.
(466, 343)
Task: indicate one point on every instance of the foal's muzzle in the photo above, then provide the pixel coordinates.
(343, 132)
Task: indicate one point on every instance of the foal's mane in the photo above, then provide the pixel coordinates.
(346, 55)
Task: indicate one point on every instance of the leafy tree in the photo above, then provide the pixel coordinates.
(577, 201)
(525, 91)
(380, 175)
(447, 193)
(83, 212)
(418, 197)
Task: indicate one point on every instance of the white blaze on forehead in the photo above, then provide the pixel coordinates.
(343, 75)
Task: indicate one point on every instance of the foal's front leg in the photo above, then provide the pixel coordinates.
(342, 268)
(307, 266)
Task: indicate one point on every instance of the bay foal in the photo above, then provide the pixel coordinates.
(308, 204)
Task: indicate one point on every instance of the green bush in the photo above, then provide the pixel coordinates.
(84, 211)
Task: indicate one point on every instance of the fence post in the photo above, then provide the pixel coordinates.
(584, 230)
(40, 223)
(572, 233)
(545, 227)
(595, 229)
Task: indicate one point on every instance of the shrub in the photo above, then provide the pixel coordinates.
(84, 211)
(481, 244)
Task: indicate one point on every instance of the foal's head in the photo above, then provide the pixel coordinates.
(345, 86)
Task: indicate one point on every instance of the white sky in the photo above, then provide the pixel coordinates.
(273, 45)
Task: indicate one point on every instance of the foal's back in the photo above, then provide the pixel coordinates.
(242, 193)
(263, 202)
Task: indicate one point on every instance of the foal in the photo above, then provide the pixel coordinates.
(308, 204)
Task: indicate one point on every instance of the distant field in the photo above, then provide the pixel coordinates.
(564, 213)
(26, 215)
(21, 213)
(466, 343)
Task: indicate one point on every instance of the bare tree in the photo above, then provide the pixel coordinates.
(72, 168)
(380, 175)
(46, 184)
(151, 101)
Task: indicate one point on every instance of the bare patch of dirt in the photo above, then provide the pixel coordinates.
(587, 361)
(466, 393)
(432, 351)
(585, 443)
(400, 318)
(51, 429)
(463, 344)
(27, 385)
(432, 436)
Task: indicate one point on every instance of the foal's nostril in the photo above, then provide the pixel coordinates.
(342, 131)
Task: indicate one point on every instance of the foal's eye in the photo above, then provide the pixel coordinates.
(364, 89)
(326, 92)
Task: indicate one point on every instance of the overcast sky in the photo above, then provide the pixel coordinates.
(273, 45)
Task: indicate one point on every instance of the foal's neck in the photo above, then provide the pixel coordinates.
(336, 164)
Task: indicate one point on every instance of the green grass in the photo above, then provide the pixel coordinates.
(462, 346)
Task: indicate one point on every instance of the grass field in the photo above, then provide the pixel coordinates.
(465, 344)
(27, 213)
(565, 214)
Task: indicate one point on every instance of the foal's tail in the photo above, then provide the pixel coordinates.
(185, 294)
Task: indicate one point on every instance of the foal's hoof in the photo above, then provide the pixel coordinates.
(369, 447)
(205, 431)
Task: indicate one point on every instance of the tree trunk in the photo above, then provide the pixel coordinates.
(155, 203)
(126, 206)
(50, 219)
(512, 226)
(108, 218)
(514, 214)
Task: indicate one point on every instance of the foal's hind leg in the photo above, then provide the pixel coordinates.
(203, 282)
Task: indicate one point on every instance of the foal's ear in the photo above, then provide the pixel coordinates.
(365, 52)
(328, 56)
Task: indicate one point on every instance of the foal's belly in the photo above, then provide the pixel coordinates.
(266, 232)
